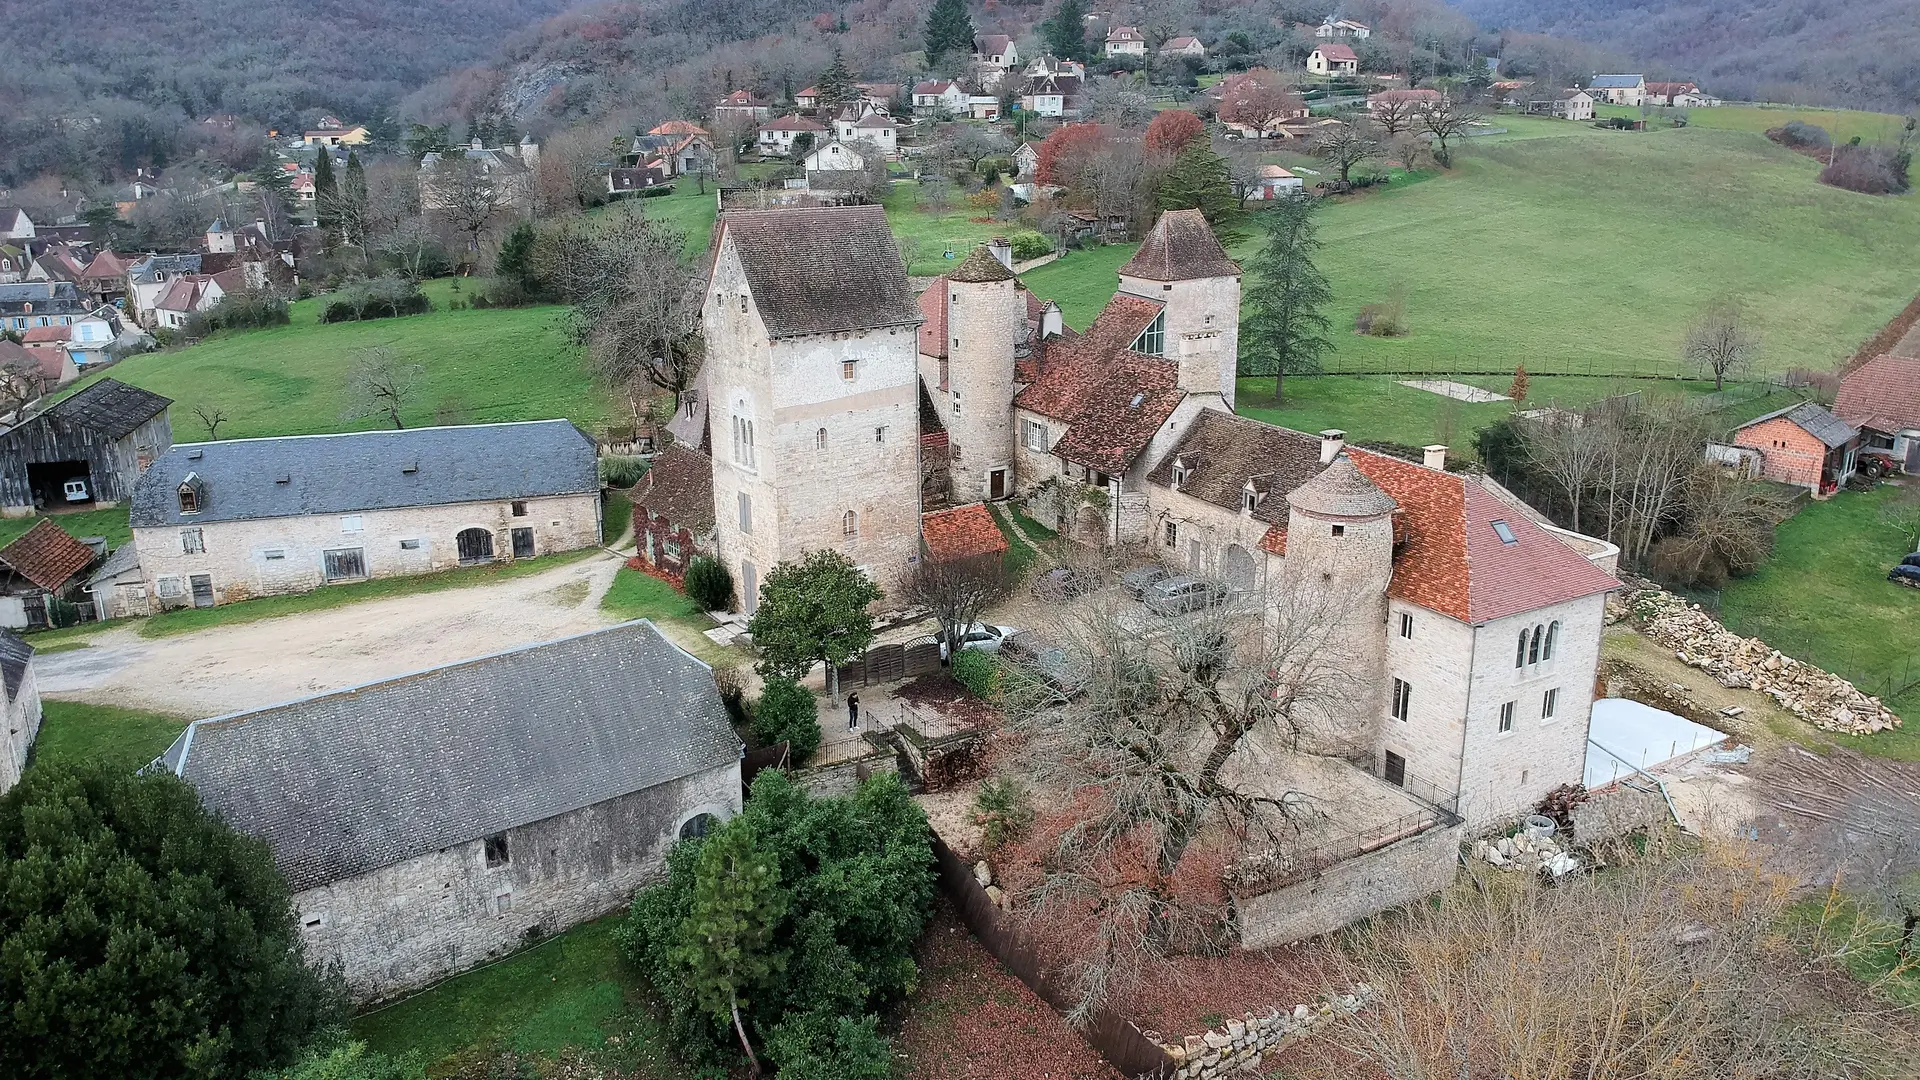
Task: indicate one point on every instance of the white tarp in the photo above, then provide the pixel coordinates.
(1627, 733)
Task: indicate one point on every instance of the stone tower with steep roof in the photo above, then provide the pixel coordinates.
(1182, 266)
(986, 312)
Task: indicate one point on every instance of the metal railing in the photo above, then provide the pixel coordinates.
(1281, 868)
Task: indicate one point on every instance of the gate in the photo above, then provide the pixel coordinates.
(344, 564)
(523, 543)
(475, 546)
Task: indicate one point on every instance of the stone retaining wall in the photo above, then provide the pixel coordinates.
(842, 777)
(1242, 1044)
(1352, 889)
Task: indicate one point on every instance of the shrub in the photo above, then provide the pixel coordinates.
(1867, 170)
(1003, 809)
(1797, 134)
(622, 472)
(977, 672)
(819, 1046)
(1518, 391)
(380, 298)
(249, 309)
(1030, 245)
(1387, 319)
(710, 584)
(787, 712)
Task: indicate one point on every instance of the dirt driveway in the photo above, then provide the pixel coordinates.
(224, 669)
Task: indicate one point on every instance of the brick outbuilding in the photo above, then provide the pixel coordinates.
(1803, 445)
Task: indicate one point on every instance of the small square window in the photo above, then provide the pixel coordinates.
(848, 369)
(519, 508)
(168, 587)
(409, 545)
(192, 542)
(274, 554)
(1339, 530)
(496, 848)
(351, 523)
(503, 902)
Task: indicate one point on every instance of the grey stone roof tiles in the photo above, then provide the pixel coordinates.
(15, 658)
(822, 270)
(348, 782)
(254, 479)
(1341, 490)
(1181, 247)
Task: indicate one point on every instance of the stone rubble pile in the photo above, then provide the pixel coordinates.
(1523, 852)
(1822, 699)
(1242, 1043)
(983, 874)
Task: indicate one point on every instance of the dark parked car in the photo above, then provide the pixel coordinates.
(1032, 653)
(1141, 578)
(1905, 575)
(1176, 595)
(1064, 583)
(1910, 560)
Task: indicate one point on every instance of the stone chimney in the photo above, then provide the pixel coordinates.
(1436, 457)
(1332, 441)
(1002, 249)
(1051, 323)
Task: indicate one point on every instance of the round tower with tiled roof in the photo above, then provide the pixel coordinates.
(985, 314)
(1181, 264)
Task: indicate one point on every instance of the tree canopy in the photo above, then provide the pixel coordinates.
(1065, 34)
(949, 27)
(1285, 330)
(143, 937)
(811, 611)
(1199, 181)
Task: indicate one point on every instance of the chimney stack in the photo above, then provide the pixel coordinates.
(1436, 457)
(1002, 249)
(1332, 441)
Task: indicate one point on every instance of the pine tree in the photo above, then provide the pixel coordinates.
(726, 941)
(1199, 181)
(1066, 33)
(835, 85)
(326, 194)
(949, 27)
(353, 201)
(1286, 332)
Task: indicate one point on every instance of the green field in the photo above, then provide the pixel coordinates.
(73, 732)
(1842, 124)
(111, 524)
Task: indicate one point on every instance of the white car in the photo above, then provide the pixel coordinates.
(986, 637)
(75, 490)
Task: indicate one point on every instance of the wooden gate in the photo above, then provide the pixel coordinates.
(475, 546)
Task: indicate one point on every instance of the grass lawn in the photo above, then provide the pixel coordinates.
(111, 524)
(929, 235)
(571, 992)
(72, 731)
(187, 620)
(1020, 554)
(1081, 282)
(635, 595)
(1824, 598)
(615, 515)
(493, 365)
(1842, 124)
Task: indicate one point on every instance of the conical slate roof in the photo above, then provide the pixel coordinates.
(1181, 247)
(1341, 491)
(981, 266)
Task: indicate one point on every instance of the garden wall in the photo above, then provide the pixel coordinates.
(1352, 889)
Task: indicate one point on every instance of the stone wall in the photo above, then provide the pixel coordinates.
(1353, 889)
(406, 925)
(842, 777)
(1242, 1044)
(23, 727)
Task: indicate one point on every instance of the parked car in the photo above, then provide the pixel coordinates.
(75, 490)
(1032, 653)
(1141, 578)
(1065, 583)
(1905, 575)
(1912, 559)
(1176, 595)
(986, 637)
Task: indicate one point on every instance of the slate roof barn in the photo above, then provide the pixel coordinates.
(104, 435)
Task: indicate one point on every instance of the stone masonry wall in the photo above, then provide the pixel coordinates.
(409, 924)
(1364, 885)
(1241, 1045)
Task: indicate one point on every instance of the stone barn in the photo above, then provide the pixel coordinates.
(433, 821)
(85, 450)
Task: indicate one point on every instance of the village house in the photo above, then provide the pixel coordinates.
(430, 822)
(675, 148)
(1126, 41)
(1882, 398)
(808, 98)
(1802, 445)
(27, 373)
(117, 589)
(15, 224)
(14, 262)
(776, 137)
(330, 137)
(742, 106)
(863, 123)
(1026, 160)
(811, 393)
(997, 50)
(223, 521)
(983, 107)
(40, 582)
(149, 278)
(1572, 104)
(1333, 60)
(623, 181)
(87, 449)
(190, 294)
(1274, 182)
(87, 340)
(22, 707)
(1184, 46)
(508, 170)
(1051, 96)
(1629, 90)
(940, 94)
(673, 509)
(1420, 100)
(1342, 28)
(27, 304)
(105, 279)
(879, 95)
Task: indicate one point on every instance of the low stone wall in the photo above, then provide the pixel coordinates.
(842, 777)
(1352, 889)
(1242, 1044)
(941, 761)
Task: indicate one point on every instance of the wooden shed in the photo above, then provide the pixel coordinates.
(85, 450)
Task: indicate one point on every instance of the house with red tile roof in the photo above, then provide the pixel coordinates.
(776, 136)
(1882, 398)
(1474, 624)
(37, 573)
(1126, 41)
(742, 106)
(1333, 60)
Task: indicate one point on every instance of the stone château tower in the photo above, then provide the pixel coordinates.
(986, 312)
(1182, 265)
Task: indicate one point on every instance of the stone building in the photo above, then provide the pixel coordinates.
(88, 448)
(429, 822)
(22, 707)
(223, 521)
(811, 392)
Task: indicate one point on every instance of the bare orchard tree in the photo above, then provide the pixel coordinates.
(1719, 343)
(957, 591)
(636, 301)
(1345, 147)
(1393, 117)
(974, 145)
(1163, 752)
(1243, 165)
(1570, 451)
(382, 384)
(1445, 121)
(871, 180)
(210, 418)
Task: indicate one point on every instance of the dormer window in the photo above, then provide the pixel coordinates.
(1249, 499)
(192, 494)
(1179, 473)
(1153, 340)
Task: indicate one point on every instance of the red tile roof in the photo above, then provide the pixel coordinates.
(1536, 570)
(679, 487)
(961, 533)
(46, 556)
(1068, 377)
(1113, 400)
(794, 123)
(46, 334)
(679, 127)
(933, 308)
(1336, 52)
(51, 362)
(1882, 394)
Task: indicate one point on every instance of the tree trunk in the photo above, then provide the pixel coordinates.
(1279, 380)
(753, 1063)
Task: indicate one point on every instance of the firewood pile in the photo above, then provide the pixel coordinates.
(1821, 698)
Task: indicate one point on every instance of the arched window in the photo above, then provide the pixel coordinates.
(697, 826)
(1533, 650)
(1553, 631)
(1520, 654)
(820, 439)
(850, 524)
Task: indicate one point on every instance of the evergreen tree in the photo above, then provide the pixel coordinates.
(1285, 331)
(353, 200)
(326, 194)
(727, 940)
(275, 183)
(949, 27)
(1066, 33)
(1199, 181)
(835, 85)
(514, 265)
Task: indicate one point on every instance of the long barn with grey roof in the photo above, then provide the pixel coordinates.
(431, 821)
(223, 521)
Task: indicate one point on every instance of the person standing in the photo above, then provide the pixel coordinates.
(853, 712)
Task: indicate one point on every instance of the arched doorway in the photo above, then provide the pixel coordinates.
(1238, 568)
(475, 546)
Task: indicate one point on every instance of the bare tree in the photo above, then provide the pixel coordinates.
(572, 171)
(636, 300)
(1728, 529)
(22, 382)
(465, 195)
(1393, 116)
(1570, 451)
(1443, 121)
(1259, 99)
(382, 384)
(210, 418)
(1345, 147)
(871, 180)
(974, 145)
(1902, 512)
(1162, 752)
(1109, 103)
(1718, 342)
(957, 591)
